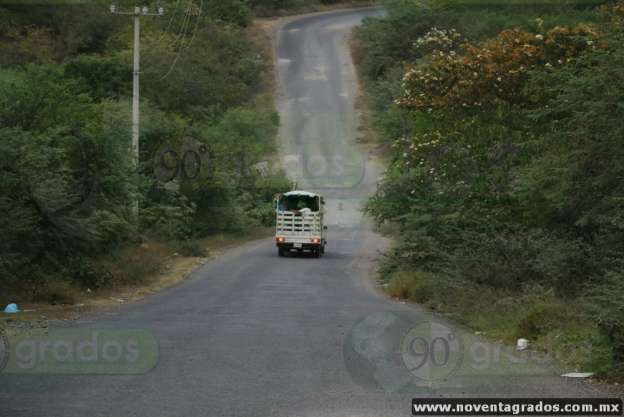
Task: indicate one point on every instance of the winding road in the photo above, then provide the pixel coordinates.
(251, 334)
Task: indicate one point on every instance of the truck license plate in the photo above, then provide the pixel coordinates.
(297, 245)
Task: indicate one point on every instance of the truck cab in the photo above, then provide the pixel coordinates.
(299, 223)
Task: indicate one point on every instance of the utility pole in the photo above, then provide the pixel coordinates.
(137, 13)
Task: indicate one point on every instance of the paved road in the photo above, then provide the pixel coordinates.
(251, 334)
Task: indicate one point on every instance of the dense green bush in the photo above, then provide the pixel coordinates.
(232, 11)
(168, 215)
(82, 271)
(67, 177)
(214, 69)
(271, 7)
(63, 173)
(100, 77)
(520, 259)
(606, 306)
(506, 158)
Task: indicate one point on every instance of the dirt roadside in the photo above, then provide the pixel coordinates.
(176, 269)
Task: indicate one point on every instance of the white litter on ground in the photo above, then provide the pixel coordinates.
(522, 344)
(578, 375)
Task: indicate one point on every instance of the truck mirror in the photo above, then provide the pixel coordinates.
(324, 227)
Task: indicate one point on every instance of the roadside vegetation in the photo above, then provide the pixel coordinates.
(285, 7)
(502, 125)
(67, 182)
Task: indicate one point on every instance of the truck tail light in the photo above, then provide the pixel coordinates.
(316, 240)
(280, 239)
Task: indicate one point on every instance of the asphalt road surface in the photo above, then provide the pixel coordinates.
(251, 334)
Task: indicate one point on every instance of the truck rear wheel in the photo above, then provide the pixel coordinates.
(316, 252)
(280, 252)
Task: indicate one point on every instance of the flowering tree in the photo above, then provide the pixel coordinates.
(492, 73)
(462, 165)
(445, 40)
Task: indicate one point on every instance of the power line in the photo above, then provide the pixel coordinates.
(182, 34)
(184, 26)
(173, 15)
(201, 7)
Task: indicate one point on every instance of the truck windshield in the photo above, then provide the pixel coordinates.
(298, 202)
